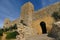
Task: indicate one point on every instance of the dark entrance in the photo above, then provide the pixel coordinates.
(43, 26)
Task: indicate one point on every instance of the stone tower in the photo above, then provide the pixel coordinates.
(27, 11)
(7, 23)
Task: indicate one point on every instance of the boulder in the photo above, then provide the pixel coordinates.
(55, 31)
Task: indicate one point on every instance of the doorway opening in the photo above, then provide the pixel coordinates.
(43, 27)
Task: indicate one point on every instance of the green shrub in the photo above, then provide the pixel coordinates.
(56, 16)
(11, 35)
(15, 26)
(1, 32)
(6, 29)
(10, 29)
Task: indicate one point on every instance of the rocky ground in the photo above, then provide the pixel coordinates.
(40, 37)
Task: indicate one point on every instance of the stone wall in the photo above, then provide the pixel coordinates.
(46, 11)
(31, 18)
(45, 16)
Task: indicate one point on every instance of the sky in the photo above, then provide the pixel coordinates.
(11, 8)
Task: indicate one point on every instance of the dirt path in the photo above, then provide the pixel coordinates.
(4, 37)
(40, 37)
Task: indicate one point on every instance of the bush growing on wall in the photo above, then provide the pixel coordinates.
(15, 26)
(56, 16)
(6, 29)
(11, 28)
(12, 35)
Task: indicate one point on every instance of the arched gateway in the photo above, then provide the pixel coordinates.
(43, 27)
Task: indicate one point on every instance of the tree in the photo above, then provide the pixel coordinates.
(56, 16)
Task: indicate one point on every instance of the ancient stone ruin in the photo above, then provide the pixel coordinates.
(31, 22)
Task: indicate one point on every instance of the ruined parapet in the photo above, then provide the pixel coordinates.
(24, 32)
(47, 11)
(20, 31)
(15, 22)
(7, 23)
(26, 13)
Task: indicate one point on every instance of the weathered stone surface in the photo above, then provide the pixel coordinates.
(55, 31)
(24, 32)
(27, 11)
